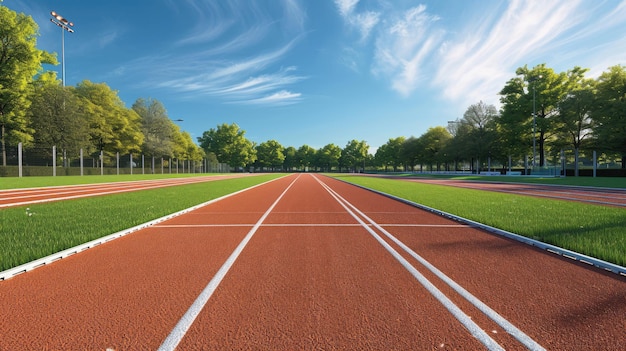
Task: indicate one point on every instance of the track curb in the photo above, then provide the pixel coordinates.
(607, 266)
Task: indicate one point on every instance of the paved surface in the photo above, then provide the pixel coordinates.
(308, 262)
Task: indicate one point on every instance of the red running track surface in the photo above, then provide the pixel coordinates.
(312, 272)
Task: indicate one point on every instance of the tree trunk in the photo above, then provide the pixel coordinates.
(4, 150)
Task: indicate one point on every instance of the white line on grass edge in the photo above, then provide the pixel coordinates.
(12, 272)
(608, 266)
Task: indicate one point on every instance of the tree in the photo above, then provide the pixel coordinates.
(305, 156)
(328, 156)
(538, 89)
(229, 144)
(477, 131)
(114, 128)
(56, 118)
(574, 118)
(290, 158)
(433, 143)
(354, 154)
(411, 152)
(20, 61)
(157, 128)
(610, 112)
(388, 154)
(270, 154)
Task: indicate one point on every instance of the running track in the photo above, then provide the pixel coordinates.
(308, 262)
(22, 197)
(593, 195)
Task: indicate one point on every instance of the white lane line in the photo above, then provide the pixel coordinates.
(488, 311)
(183, 325)
(463, 318)
(310, 225)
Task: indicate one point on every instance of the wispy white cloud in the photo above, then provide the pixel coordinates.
(470, 57)
(475, 65)
(364, 22)
(232, 59)
(403, 47)
(280, 98)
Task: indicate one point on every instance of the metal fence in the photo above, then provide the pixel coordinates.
(53, 162)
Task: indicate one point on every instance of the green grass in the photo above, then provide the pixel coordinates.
(593, 230)
(57, 226)
(605, 182)
(32, 182)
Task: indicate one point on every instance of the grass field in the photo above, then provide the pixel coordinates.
(38, 230)
(593, 230)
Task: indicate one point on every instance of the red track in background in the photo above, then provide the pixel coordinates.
(592, 195)
(315, 269)
(22, 197)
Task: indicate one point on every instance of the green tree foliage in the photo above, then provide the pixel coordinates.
(157, 128)
(305, 157)
(574, 123)
(609, 112)
(270, 154)
(56, 118)
(411, 152)
(113, 127)
(229, 144)
(433, 143)
(20, 61)
(328, 156)
(354, 155)
(290, 158)
(388, 154)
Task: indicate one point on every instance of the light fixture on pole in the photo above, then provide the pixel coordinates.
(65, 26)
(533, 80)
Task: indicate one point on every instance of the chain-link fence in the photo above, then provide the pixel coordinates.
(53, 162)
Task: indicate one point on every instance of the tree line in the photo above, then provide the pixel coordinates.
(541, 113)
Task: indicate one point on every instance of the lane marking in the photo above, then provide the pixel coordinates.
(310, 225)
(463, 318)
(489, 312)
(183, 325)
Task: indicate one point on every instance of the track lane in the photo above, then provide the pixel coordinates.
(308, 286)
(559, 303)
(23, 197)
(591, 195)
(129, 293)
(310, 278)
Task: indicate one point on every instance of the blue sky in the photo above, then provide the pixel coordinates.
(324, 71)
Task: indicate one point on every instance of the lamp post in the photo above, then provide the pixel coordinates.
(65, 26)
(533, 80)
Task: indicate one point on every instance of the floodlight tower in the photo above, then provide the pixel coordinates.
(65, 26)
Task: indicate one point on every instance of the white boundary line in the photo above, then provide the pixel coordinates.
(488, 311)
(10, 273)
(183, 325)
(463, 318)
(608, 266)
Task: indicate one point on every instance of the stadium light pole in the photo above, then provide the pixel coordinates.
(65, 26)
(533, 80)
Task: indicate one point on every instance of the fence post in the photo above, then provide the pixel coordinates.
(81, 162)
(54, 161)
(143, 164)
(19, 159)
(117, 159)
(101, 162)
(131, 163)
(594, 163)
(563, 163)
